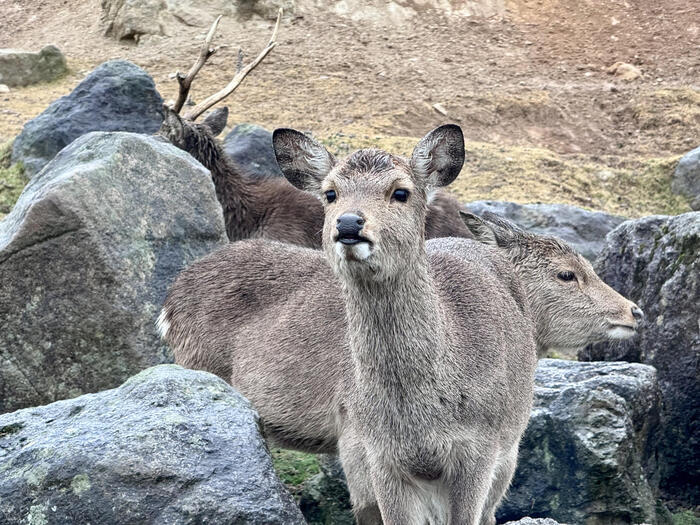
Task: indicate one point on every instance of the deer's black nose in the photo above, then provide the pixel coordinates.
(349, 226)
(637, 313)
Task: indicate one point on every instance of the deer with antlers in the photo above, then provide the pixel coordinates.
(269, 207)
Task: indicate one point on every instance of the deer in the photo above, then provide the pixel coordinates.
(269, 318)
(427, 393)
(262, 207)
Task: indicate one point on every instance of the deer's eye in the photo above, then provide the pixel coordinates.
(566, 276)
(400, 195)
(330, 196)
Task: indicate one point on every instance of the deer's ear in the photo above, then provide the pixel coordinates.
(478, 228)
(172, 123)
(216, 120)
(304, 162)
(492, 229)
(439, 156)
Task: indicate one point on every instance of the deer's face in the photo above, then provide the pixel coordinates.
(375, 203)
(374, 213)
(572, 306)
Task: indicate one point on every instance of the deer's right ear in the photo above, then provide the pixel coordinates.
(303, 161)
(216, 120)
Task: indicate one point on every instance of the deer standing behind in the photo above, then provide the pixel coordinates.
(428, 409)
(264, 207)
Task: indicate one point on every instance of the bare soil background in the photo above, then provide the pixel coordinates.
(544, 121)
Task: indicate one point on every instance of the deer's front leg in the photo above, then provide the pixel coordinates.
(470, 485)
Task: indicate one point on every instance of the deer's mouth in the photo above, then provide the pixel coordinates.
(621, 330)
(351, 239)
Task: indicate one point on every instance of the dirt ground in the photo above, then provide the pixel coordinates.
(532, 82)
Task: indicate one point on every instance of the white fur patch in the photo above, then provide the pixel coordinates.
(432, 194)
(162, 323)
(361, 251)
(620, 332)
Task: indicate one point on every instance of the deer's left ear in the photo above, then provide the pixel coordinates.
(216, 120)
(439, 156)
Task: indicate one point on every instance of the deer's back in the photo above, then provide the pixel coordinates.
(268, 318)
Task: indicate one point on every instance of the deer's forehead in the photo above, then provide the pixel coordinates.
(370, 170)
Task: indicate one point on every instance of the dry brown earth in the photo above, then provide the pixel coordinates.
(544, 120)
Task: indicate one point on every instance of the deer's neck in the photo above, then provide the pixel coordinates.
(396, 336)
(233, 189)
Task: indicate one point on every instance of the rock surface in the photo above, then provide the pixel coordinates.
(251, 147)
(23, 68)
(116, 96)
(584, 230)
(133, 19)
(655, 261)
(686, 178)
(589, 447)
(533, 521)
(168, 446)
(584, 458)
(86, 257)
(325, 498)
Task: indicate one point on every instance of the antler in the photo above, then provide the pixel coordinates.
(185, 81)
(238, 77)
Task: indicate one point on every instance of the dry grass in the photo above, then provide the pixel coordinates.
(632, 188)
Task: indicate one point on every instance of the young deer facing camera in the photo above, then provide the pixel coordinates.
(427, 407)
(441, 390)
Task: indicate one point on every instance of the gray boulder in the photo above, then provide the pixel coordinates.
(655, 261)
(168, 446)
(686, 178)
(588, 451)
(23, 68)
(86, 257)
(533, 521)
(250, 146)
(117, 96)
(134, 19)
(584, 230)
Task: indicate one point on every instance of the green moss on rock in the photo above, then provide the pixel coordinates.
(12, 179)
(294, 468)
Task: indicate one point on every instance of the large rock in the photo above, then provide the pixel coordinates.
(168, 446)
(533, 521)
(655, 261)
(117, 96)
(584, 230)
(251, 147)
(587, 455)
(23, 68)
(686, 178)
(588, 451)
(133, 19)
(86, 257)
